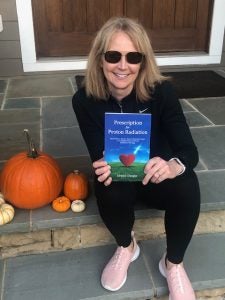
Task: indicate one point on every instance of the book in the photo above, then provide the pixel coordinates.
(127, 144)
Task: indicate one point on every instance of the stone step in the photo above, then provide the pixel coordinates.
(212, 199)
(75, 274)
(44, 230)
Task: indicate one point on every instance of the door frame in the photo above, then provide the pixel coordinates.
(32, 64)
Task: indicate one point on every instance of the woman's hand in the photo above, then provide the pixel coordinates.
(158, 169)
(103, 171)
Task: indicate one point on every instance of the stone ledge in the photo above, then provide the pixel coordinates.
(89, 235)
(212, 294)
(46, 219)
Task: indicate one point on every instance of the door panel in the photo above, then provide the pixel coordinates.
(67, 27)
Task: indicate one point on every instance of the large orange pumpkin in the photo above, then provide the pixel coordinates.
(31, 180)
(76, 186)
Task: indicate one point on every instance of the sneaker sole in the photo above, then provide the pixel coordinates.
(136, 254)
(161, 269)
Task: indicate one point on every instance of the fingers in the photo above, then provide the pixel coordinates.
(99, 163)
(108, 181)
(103, 171)
(156, 171)
(103, 175)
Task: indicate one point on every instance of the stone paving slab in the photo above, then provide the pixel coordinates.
(12, 139)
(39, 86)
(1, 99)
(10, 117)
(81, 163)
(186, 106)
(211, 145)
(204, 261)
(3, 84)
(58, 112)
(46, 217)
(200, 166)
(195, 119)
(20, 222)
(212, 108)
(22, 103)
(212, 189)
(64, 142)
(1, 274)
(71, 275)
(75, 274)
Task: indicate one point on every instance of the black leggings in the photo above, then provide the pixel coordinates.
(179, 197)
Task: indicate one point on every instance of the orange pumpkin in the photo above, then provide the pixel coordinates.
(76, 186)
(61, 204)
(31, 180)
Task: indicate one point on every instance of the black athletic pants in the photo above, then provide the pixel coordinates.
(179, 197)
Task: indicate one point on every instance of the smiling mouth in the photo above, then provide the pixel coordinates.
(121, 75)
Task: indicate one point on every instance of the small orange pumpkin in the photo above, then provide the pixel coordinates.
(76, 186)
(61, 204)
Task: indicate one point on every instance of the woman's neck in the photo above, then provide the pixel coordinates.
(119, 94)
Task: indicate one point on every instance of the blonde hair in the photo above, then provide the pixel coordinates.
(149, 74)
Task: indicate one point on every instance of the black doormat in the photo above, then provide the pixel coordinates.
(194, 84)
(198, 84)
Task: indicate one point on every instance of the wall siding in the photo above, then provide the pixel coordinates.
(10, 32)
(10, 53)
(8, 10)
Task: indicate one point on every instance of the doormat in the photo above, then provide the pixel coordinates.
(194, 84)
(198, 84)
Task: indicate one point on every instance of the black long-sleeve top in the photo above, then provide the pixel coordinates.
(170, 134)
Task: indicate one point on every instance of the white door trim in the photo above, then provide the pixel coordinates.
(32, 64)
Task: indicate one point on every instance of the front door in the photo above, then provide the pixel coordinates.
(66, 27)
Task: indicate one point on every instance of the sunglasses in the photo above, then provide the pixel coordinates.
(114, 57)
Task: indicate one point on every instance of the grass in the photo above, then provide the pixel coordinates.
(135, 172)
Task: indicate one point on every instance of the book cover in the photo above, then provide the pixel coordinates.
(127, 144)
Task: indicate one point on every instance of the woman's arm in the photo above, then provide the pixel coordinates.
(93, 135)
(91, 128)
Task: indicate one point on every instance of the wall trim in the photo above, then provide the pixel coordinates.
(32, 64)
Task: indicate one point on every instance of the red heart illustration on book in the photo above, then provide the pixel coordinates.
(127, 159)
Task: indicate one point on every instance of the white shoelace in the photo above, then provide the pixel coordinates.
(117, 258)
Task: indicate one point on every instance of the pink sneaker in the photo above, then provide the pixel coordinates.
(178, 282)
(115, 272)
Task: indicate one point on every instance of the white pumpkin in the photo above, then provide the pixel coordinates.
(6, 213)
(78, 206)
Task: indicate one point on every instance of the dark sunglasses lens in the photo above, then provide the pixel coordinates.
(112, 57)
(134, 57)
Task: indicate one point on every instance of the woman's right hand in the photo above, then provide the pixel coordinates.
(103, 171)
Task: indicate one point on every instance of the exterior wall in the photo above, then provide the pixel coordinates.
(10, 52)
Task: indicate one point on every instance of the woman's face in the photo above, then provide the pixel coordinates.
(121, 75)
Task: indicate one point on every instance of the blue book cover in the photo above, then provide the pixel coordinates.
(127, 144)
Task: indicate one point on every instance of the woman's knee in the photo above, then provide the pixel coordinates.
(115, 195)
(186, 192)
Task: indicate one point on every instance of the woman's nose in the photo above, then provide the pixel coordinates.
(123, 62)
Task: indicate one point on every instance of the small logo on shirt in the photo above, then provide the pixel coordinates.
(143, 110)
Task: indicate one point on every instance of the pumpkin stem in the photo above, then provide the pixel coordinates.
(76, 171)
(32, 152)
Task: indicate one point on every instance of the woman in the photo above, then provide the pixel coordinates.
(122, 76)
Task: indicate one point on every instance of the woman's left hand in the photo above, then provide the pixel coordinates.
(158, 169)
